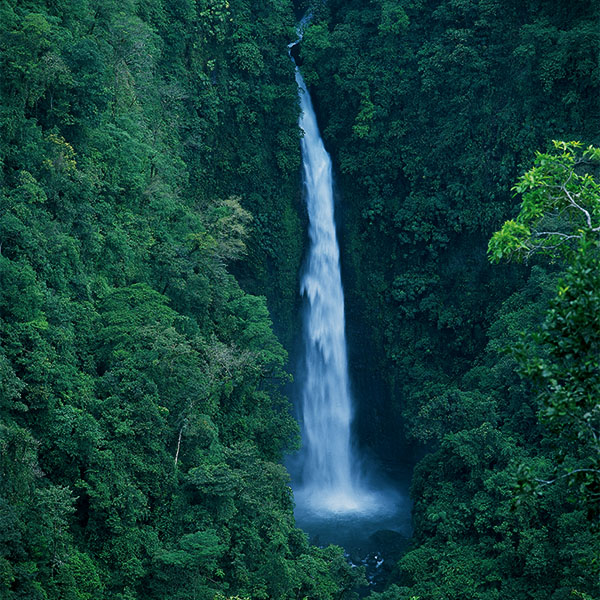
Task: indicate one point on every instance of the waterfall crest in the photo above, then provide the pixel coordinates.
(331, 479)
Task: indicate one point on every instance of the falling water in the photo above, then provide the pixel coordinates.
(331, 480)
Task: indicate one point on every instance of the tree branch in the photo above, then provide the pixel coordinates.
(569, 474)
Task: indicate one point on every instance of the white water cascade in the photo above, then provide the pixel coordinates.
(331, 481)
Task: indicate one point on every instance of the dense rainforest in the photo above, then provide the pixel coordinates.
(151, 237)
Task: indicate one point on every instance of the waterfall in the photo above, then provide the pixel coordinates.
(331, 477)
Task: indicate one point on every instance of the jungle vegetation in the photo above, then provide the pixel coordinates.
(151, 236)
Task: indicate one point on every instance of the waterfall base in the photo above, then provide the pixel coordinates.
(327, 503)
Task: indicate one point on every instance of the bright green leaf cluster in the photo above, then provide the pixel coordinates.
(560, 209)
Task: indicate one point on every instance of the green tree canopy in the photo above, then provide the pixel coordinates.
(560, 210)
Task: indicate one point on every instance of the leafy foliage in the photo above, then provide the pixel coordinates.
(560, 209)
(150, 225)
(563, 358)
(504, 502)
(142, 419)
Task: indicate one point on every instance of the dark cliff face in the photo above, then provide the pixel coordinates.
(295, 54)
